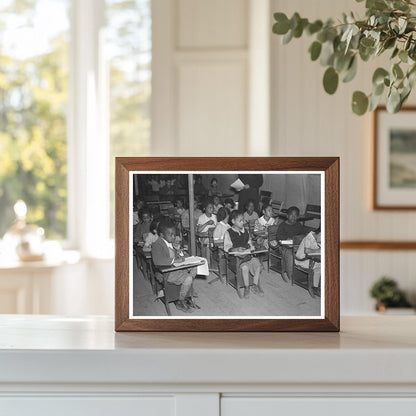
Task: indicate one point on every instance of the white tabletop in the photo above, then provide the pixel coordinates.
(86, 349)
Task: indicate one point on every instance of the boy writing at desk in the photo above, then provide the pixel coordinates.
(164, 254)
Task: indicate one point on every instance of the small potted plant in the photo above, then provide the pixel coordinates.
(387, 294)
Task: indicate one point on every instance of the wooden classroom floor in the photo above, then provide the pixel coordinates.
(219, 299)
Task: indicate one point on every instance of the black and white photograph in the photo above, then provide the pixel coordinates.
(226, 244)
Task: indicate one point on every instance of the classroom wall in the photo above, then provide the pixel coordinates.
(292, 189)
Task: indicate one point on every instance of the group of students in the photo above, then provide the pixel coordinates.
(235, 228)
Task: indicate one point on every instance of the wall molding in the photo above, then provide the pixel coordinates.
(377, 245)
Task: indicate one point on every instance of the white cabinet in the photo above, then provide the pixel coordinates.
(80, 366)
(88, 406)
(323, 406)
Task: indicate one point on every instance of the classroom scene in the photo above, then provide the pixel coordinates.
(226, 244)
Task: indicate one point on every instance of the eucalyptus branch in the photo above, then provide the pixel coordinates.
(388, 26)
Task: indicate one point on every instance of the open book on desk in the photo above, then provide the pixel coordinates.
(189, 261)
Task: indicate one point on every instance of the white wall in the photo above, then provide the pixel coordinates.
(201, 83)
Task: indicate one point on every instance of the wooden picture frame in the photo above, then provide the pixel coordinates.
(326, 167)
(394, 185)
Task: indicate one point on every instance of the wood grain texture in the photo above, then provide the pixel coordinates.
(329, 165)
(378, 245)
(376, 205)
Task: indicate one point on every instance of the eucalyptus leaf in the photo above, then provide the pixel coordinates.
(330, 80)
(315, 50)
(395, 52)
(288, 37)
(322, 36)
(402, 22)
(281, 26)
(366, 53)
(351, 71)
(374, 102)
(327, 53)
(378, 89)
(359, 103)
(397, 71)
(389, 43)
(367, 42)
(314, 27)
(341, 62)
(379, 75)
(376, 4)
(393, 101)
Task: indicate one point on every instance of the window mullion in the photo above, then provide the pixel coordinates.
(88, 137)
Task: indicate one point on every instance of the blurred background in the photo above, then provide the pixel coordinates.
(83, 81)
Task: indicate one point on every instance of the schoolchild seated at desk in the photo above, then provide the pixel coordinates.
(216, 203)
(164, 254)
(237, 239)
(229, 204)
(262, 224)
(310, 245)
(286, 231)
(142, 227)
(151, 236)
(222, 224)
(250, 216)
(185, 216)
(208, 219)
(179, 207)
(265, 221)
(138, 206)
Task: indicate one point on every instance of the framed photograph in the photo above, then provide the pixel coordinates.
(227, 244)
(394, 159)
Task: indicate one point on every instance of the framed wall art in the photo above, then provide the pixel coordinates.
(227, 244)
(394, 178)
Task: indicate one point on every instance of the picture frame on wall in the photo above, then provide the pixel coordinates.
(394, 151)
(227, 244)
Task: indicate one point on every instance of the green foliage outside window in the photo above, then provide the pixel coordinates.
(33, 99)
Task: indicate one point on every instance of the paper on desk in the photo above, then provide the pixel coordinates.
(191, 260)
(237, 185)
(241, 253)
(286, 242)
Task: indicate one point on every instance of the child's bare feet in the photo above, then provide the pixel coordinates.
(180, 305)
(246, 292)
(256, 289)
